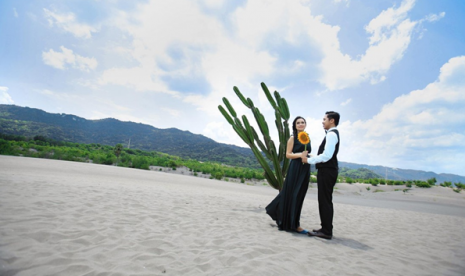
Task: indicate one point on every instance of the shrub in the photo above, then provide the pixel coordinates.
(368, 188)
(109, 159)
(432, 181)
(5, 147)
(172, 163)
(140, 162)
(446, 184)
(459, 185)
(422, 184)
(219, 175)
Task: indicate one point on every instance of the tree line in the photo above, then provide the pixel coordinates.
(43, 147)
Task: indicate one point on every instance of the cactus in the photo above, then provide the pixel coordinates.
(277, 156)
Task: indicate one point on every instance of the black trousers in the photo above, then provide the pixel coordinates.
(326, 179)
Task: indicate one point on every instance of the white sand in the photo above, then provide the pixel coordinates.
(66, 218)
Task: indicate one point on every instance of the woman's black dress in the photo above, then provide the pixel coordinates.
(286, 207)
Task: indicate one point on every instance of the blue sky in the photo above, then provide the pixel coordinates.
(394, 69)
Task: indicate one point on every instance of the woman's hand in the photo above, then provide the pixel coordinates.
(304, 153)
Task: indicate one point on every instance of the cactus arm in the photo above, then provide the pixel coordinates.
(226, 115)
(240, 96)
(242, 134)
(285, 109)
(229, 107)
(268, 95)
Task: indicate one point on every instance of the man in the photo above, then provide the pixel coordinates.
(327, 165)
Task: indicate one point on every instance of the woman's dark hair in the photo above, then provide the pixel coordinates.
(333, 115)
(294, 128)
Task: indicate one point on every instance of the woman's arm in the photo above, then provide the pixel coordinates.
(289, 153)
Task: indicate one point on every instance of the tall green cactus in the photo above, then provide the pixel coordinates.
(277, 156)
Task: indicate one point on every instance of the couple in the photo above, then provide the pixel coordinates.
(286, 207)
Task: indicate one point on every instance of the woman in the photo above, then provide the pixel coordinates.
(286, 207)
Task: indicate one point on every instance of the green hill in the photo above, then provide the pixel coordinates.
(30, 122)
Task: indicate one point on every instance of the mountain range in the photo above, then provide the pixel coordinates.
(30, 122)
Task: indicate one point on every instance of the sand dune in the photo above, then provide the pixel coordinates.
(66, 218)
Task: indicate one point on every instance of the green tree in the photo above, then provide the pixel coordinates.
(118, 149)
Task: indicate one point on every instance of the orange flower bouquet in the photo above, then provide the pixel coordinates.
(303, 139)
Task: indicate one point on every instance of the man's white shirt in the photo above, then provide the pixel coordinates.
(330, 147)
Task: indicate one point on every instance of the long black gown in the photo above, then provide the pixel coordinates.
(285, 209)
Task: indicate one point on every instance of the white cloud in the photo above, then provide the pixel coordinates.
(423, 129)
(60, 60)
(173, 112)
(67, 22)
(15, 13)
(140, 78)
(346, 102)
(214, 3)
(434, 17)
(5, 98)
(390, 35)
(195, 44)
(204, 48)
(222, 132)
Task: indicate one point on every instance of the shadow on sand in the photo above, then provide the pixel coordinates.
(351, 243)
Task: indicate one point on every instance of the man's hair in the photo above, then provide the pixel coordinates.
(333, 115)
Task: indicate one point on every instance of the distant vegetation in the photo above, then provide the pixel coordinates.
(42, 147)
(361, 173)
(380, 181)
(32, 122)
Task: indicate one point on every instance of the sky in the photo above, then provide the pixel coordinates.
(393, 69)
